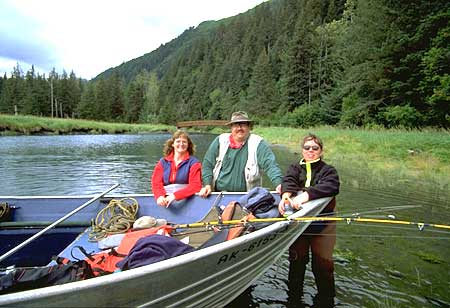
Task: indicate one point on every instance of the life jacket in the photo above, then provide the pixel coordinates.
(105, 262)
(253, 176)
(182, 176)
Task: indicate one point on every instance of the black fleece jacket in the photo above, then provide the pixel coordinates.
(324, 180)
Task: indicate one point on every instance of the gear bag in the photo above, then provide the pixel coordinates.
(27, 278)
(260, 202)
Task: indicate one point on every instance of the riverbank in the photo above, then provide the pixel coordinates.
(30, 125)
(422, 155)
(415, 154)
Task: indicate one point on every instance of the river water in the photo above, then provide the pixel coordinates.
(376, 265)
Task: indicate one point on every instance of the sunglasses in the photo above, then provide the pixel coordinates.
(313, 147)
(240, 124)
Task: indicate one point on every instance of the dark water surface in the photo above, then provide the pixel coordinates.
(377, 265)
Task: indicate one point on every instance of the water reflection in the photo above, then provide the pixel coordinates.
(81, 164)
(376, 265)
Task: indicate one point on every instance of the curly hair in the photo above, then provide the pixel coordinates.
(168, 145)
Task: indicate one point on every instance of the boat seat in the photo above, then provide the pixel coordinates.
(71, 252)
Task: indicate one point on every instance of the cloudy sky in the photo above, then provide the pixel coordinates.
(90, 36)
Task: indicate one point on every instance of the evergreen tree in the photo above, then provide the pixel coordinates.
(360, 84)
(419, 73)
(30, 96)
(117, 100)
(203, 88)
(13, 93)
(3, 94)
(135, 101)
(297, 67)
(73, 94)
(102, 101)
(42, 90)
(86, 109)
(261, 93)
(151, 87)
(378, 61)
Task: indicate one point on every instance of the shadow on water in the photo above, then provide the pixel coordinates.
(376, 265)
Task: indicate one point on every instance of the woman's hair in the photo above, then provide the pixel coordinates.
(168, 145)
(313, 137)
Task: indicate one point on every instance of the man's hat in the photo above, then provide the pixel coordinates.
(239, 117)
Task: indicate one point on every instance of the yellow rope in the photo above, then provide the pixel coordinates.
(116, 217)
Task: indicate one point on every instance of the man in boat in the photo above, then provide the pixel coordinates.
(233, 161)
(310, 179)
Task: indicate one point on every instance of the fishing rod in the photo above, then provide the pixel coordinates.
(376, 210)
(348, 220)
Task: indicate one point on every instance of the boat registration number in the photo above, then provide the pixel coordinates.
(234, 255)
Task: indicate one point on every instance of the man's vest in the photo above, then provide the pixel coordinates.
(253, 176)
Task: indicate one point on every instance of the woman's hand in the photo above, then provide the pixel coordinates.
(299, 200)
(281, 208)
(169, 199)
(281, 204)
(161, 201)
(165, 200)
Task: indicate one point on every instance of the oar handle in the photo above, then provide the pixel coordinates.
(26, 242)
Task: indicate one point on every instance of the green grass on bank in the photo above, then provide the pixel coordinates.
(13, 125)
(415, 154)
(418, 154)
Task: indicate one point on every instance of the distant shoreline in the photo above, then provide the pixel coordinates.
(423, 155)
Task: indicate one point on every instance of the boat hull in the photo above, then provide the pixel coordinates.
(208, 277)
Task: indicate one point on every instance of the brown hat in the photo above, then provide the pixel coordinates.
(238, 117)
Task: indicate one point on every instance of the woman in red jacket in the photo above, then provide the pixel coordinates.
(177, 175)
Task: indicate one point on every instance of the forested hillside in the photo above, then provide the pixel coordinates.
(287, 62)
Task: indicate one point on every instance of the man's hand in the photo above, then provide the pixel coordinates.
(278, 189)
(205, 191)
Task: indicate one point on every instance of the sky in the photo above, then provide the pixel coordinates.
(90, 36)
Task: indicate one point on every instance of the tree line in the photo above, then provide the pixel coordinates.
(286, 62)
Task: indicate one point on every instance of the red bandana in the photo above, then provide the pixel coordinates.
(234, 144)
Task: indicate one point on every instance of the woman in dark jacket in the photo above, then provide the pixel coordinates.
(311, 179)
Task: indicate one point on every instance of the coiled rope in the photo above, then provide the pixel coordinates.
(116, 217)
(4, 211)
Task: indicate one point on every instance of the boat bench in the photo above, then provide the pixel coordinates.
(73, 253)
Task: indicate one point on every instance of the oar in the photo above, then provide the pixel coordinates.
(420, 225)
(26, 242)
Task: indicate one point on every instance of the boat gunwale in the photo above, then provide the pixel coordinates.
(107, 196)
